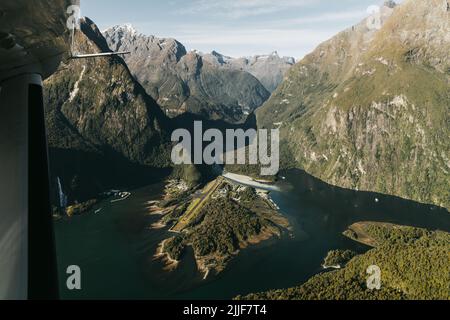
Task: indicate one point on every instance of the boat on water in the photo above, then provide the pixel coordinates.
(122, 196)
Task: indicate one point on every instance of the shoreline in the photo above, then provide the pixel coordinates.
(170, 264)
(206, 266)
(215, 262)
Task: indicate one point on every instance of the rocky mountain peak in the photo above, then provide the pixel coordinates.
(181, 82)
(218, 58)
(390, 4)
(126, 37)
(100, 120)
(126, 28)
(268, 69)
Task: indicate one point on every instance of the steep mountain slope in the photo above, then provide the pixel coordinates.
(183, 81)
(370, 109)
(103, 129)
(268, 69)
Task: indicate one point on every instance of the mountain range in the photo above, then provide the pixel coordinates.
(208, 85)
(268, 69)
(103, 129)
(369, 109)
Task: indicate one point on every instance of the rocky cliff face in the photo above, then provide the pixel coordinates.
(102, 126)
(183, 81)
(370, 108)
(268, 69)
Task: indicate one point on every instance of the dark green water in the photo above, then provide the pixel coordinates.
(115, 247)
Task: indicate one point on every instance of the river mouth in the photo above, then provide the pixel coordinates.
(115, 247)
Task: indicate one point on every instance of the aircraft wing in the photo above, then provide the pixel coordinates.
(34, 36)
(34, 39)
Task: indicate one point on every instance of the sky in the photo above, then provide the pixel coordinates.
(234, 27)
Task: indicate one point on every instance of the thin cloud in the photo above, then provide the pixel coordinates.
(293, 42)
(295, 37)
(291, 27)
(242, 8)
(253, 36)
(331, 17)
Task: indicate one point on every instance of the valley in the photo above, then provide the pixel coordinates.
(203, 84)
(364, 158)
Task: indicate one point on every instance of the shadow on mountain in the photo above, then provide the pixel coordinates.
(86, 174)
(186, 121)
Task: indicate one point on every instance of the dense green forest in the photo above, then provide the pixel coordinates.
(224, 226)
(338, 257)
(414, 263)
